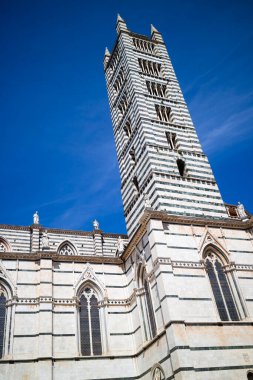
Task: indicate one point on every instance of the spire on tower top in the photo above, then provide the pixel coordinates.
(153, 29)
(155, 35)
(119, 18)
(106, 57)
(121, 25)
(107, 53)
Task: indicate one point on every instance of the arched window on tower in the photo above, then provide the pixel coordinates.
(90, 330)
(146, 306)
(222, 291)
(250, 375)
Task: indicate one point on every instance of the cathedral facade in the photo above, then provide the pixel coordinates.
(172, 299)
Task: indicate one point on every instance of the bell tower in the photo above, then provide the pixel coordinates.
(160, 158)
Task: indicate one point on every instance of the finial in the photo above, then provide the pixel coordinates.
(121, 25)
(153, 29)
(107, 53)
(36, 218)
(119, 18)
(96, 225)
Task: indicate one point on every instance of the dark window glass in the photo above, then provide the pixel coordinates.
(216, 291)
(150, 309)
(95, 326)
(250, 376)
(2, 321)
(181, 167)
(226, 292)
(84, 327)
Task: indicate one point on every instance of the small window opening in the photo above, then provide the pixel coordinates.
(172, 140)
(132, 155)
(181, 167)
(250, 376)
(136, 184)
(127, 128)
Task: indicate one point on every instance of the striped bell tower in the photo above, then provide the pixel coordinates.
(161, 162)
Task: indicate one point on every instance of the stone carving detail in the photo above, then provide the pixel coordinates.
(120, 245)
(36, 218)
(3, 247)
(147, 203)
(241, 211)
(45, 240)
(66, 249)
(96, 225)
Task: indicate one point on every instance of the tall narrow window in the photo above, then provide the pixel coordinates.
(90, 324)
(181, 167)
(172, 140)
(250, 376)
(133, 155)
(2, 322)
(163, 112)
(136, 184)
(222, 294)
(127, 128)
(151, 315)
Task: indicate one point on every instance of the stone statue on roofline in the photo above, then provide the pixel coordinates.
(120, 245)
(36, 218)
(147, 203)
(241, 211)
(95, 225)
(45, 240)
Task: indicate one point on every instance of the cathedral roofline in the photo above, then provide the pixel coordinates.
(176, 219)
(61, 231)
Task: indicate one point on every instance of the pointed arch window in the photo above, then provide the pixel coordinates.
(222, 292)
(146, 306)
(181, 166)
(67, 249)
(90, 331)
(158, 374)
(4, 246)
(2, 322)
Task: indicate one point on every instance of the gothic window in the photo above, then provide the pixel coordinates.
(114, 59)
(90, 332)
(172, 140)
(143, 45)
(119, 81)
(156, 89)
(150, 310)
(158, 374)
(145, 302)
(163, 112)
(181, 166)
(150, 67)
(122, 106)
(66, 249)
(2, 322)
(221, 290)
(250, 376)
(127, 128)
(4, 246)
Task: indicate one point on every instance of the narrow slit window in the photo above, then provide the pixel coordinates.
(181, 167)
(2, 322)
(132, 155)
(136, 184)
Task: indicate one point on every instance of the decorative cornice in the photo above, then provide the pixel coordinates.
(54, 256)
(61, 231)
(175, 219)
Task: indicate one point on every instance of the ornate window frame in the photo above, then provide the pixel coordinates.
(145, 304)
(88, 279)
(67, 243)
(231, 306)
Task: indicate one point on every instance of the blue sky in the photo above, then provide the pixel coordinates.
(57, 151)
